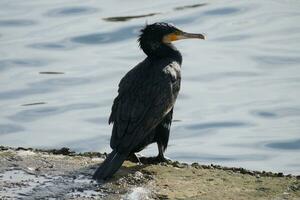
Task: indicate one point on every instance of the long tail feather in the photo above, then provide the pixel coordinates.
(110, 165)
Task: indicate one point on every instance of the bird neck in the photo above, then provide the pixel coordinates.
(164, 50)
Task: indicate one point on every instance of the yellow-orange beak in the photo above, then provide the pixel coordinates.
(182, 35)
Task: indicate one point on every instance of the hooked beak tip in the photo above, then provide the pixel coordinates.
(194, 35)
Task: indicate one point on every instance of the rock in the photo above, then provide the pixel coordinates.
(70, 175)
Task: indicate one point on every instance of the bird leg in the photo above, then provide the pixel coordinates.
(160, 157)
(134, 158)
(149, 160)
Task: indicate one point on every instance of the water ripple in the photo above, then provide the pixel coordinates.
(83, 145)
(278, 60)
(285, 145)
(222, 11)
(217, 125)
(277, 112)
(190, 6)
(10, 128)
(98, 120)
(71, 11)
(265, 114)
(17, 23)
(22, 62)
(49, 46)
(44, 86)
(127, 18)
(19, 93)
(218, 158)
(38, 113)
(222, 75)
(258, 70)
(108, 37)
(232, 38)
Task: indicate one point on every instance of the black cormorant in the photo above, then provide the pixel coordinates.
(142, 112)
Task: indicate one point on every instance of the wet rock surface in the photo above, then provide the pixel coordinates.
(64, 174)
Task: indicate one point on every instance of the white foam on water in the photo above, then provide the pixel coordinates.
(138, 193)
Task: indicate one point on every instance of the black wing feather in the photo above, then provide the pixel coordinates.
(146, 94)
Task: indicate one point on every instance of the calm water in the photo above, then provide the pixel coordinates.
(61, 61)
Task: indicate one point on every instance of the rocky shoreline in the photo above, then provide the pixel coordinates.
(27, 173)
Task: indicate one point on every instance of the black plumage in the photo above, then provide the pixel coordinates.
(142, 111)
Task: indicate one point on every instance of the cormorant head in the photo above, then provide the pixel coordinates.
(155, 37)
